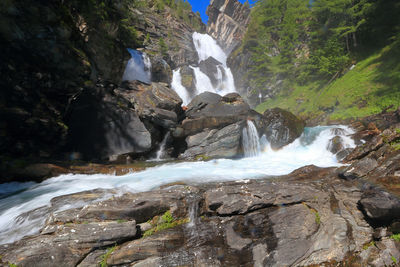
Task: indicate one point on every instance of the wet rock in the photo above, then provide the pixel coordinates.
(224, 143)
(188, 80)
(280, 127)
(160, 70)
(211, 67)
(364, 149)
(380, 207)
(335, 145)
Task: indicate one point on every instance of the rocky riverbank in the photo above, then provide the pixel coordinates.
(313, 216)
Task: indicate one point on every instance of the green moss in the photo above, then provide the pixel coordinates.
(105, 257)
(317, 217)
(121, 221)
(12, 265)
(397, 131)
(167, 221)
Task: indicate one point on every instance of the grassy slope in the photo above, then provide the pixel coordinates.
(372, 86)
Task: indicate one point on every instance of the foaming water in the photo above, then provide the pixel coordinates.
(138, 67)
(206, 47)
(310, 148)
(251, 141)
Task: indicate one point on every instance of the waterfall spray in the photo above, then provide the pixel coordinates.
(251, 141)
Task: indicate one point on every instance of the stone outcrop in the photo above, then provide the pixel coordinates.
(53, 50)
(280, 127)
(309, 217)
(106, 122)
(227, 22)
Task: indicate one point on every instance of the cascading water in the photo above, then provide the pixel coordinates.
(251, 140)
(310, 148)
(161, 151)
(206, 47)
(138, 67)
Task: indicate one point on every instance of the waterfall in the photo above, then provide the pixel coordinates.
(251, 141)
(138, 67)
(161, 151)
(206, 47)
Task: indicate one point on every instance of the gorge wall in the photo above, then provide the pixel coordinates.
(227, 22)
(53, 52)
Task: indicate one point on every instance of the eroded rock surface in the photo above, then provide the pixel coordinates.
(309, 217)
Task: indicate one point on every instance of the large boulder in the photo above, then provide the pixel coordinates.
(102, 125)
(213, 126)
(156, 103)
(280, 127)
(160, 70)
(224, 143)
(380, 206)
(210, 110)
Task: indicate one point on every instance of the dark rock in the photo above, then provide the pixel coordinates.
(224, 143)
(68, 244)
(335, 144)
(210, 67)
(188, 80)
(209, 110)
(160, 70)
(280, 127)
(102, 125)
(380, 207)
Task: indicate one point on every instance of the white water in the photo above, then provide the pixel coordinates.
(161, 151)
(138, 67)
(206, 47)
(310, 148)
(251, 140)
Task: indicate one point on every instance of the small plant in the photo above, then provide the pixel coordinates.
(397, 130)
(317, 217)
(105, 257)
(12, 264)
(121, 221)
(167, 221)
(394, 259)
(368, 245)
(395, 237)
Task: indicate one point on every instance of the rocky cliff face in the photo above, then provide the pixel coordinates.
(227, 22)
(54, 50)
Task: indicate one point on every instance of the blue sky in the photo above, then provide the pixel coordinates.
(201, 6)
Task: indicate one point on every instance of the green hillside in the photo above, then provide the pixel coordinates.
(372, 86)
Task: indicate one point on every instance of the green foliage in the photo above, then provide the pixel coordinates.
(368, 245)
(395, 237)
(317, 217)
(104, 258)
(12, 265)
(394, 260)
(167, 221)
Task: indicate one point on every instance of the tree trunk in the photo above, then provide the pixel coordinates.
(347, 43)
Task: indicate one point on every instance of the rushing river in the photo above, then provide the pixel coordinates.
(310, 148)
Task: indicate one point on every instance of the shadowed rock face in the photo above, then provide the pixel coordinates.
(309, 217)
